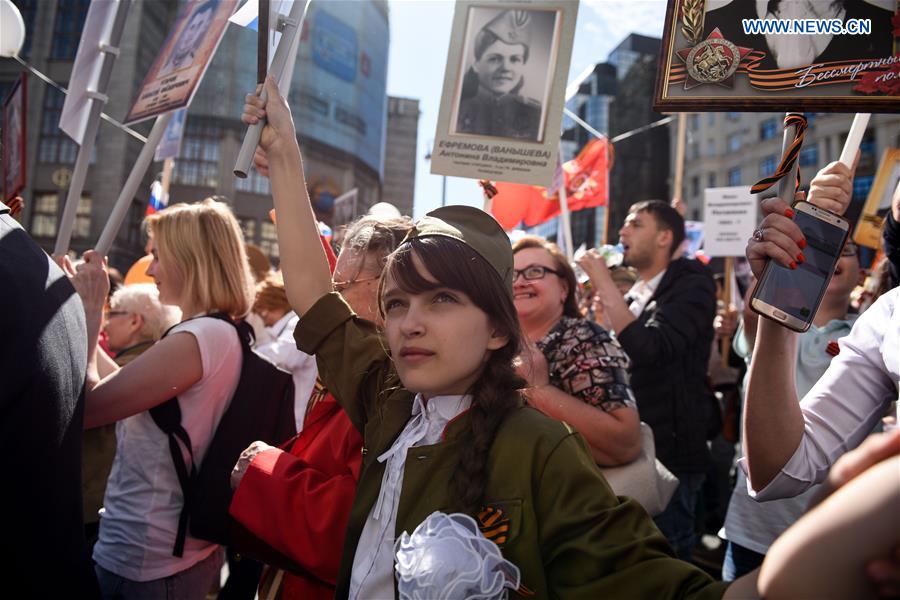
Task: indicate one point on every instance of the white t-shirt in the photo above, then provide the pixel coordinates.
(143, 500)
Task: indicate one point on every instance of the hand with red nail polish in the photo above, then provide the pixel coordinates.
(778, 237)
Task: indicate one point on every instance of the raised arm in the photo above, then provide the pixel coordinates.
(773, 421)
(306, 274)
(169, 367)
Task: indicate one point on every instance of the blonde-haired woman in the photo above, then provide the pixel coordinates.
(200, 265)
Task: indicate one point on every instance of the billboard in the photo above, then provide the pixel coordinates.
(339, 92)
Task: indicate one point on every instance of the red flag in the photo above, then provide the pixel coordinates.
(587, 176)
(587, 185)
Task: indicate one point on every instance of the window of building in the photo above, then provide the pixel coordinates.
(867, 146)
(45, 214)
(711, 180)
(862, 186)
(253, 183)
(67, 27)
(768, 165)
(694, 121)
(27, 8)
(734, 142)
(198, 162)
(695, 186)
(55, 146)
(711, 118)
(734, 176)
(732, 116)
(82, 227)
(768, 129)
(268, 239)
(809, 156)
(248, 226)
(693, 150)
(711, 147)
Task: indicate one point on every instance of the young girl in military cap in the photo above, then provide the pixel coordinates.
(444, 425)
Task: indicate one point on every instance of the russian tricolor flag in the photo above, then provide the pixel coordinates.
(158, 200)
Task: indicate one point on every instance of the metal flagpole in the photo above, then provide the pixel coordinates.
(131, 184)
(290, 31)
(109, 51)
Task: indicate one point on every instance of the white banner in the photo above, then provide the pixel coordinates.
(729, 220)
(86, 69)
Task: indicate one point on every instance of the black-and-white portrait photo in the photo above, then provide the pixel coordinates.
(191, 38)
(792, 51)
(505, 73)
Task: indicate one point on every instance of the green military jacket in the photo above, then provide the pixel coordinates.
(570, 536)
(509, 115)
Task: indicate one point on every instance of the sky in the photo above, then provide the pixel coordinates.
(420, 37)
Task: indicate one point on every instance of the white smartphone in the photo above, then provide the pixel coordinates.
(791, 297)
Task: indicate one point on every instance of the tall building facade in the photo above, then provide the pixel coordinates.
(614, 97)
(53, 31)
(400, 153)
(738, 149)
(338, 100)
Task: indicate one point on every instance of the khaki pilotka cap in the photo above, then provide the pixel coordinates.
(511, 27)
(476, 229)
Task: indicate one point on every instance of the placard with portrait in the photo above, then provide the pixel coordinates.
(504, 89)
(176, 73)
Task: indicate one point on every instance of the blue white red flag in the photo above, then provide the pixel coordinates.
(158, 200)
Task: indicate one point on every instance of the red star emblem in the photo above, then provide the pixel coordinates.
(714, 60)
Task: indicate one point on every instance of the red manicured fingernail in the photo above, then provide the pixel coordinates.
(802, 244)
(789, 213)
(800, 258)
(793, 265)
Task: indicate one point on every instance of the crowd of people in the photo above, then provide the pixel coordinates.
(438, 367)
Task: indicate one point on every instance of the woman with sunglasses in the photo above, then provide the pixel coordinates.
(576, 371)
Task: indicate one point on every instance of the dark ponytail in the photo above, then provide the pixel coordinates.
(456, 266)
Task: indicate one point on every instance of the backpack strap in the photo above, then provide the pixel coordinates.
(167, 417)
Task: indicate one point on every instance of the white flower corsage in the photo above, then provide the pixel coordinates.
(447, 556)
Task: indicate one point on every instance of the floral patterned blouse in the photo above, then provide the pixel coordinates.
(586, 362)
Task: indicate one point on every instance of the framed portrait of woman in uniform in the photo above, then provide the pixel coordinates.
(504, 88)
(505, 72)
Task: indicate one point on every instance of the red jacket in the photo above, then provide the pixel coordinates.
(298, 502)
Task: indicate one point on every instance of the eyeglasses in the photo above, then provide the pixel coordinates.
(532, 272)
(116, 313)
(340, 286)
(850, 249)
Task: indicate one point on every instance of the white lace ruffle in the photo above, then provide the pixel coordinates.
(448, 557)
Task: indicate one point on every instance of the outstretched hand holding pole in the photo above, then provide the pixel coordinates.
(303, 263)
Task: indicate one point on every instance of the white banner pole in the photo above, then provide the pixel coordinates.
(854, 138)
(292, 26)
(117, 216)
(109, 50)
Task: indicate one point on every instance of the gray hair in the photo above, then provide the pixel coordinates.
(376, 237)
(143, 299)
